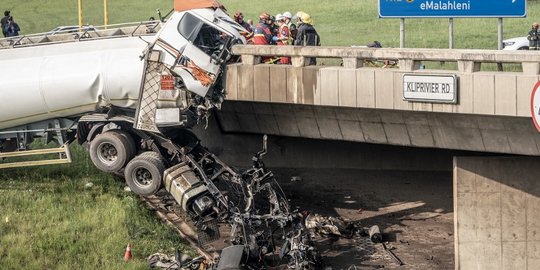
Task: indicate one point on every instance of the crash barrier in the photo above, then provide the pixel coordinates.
(352, 83)
(84, 33)
(409, 59)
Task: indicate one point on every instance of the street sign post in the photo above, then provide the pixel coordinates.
(535, 105)
(451, 8)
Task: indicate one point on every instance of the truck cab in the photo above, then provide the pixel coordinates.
(189, 54)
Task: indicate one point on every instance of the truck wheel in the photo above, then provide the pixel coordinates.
(110, 151)
(144, 173)
(131, 148)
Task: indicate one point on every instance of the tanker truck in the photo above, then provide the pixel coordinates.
(111, 88)
(130, 95)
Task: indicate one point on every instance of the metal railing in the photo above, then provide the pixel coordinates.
(84, 33)
(409, 59)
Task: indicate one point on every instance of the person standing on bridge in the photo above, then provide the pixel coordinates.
(534, 37)
(307, 35)
(239, 18)
(12, 28)
(263, 34)
(284, 37)
(290, 25)
(4, 22)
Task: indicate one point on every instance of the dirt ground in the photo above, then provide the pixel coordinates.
(414, 211)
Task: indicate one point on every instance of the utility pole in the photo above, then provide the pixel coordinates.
(80, 14)
(105, 14)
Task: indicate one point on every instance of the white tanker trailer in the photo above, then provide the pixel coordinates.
(158, 75)
(128, 94)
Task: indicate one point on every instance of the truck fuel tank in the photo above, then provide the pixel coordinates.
(188, 190)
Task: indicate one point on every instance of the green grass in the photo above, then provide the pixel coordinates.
(50, 220)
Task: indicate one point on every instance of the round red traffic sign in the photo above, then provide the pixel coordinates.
(535, 105)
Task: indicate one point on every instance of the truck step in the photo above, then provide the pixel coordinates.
(64, 156)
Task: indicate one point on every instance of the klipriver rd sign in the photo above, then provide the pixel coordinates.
(451, 8)
(430, 88)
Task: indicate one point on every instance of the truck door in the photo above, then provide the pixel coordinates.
(197, 64)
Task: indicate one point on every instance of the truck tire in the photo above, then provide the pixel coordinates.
(144, 173)
(130, 146)
(111, 151)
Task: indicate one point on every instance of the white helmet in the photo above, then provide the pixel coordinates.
(287, 15)
(280, 17)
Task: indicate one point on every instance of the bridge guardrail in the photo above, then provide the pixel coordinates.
(468, 61)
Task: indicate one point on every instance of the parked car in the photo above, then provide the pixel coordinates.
(71, 29)
(513, 44)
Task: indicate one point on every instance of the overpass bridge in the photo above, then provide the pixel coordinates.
(356, 102)
(496, 199)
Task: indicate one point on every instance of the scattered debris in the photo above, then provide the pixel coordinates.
(392, 255)
(177, 261)
(127, 189)
(89, 185)
(296, 178)
(375, 234)
(330, 225)
(7, 219)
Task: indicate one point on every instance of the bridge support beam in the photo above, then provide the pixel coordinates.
(497, 212)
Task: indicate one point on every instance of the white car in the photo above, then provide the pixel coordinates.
(513, 44)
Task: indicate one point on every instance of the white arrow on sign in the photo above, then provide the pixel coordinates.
(535, 105)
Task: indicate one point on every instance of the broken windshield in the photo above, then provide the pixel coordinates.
(205, 37)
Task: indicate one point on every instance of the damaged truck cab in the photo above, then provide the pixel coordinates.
(188, 58)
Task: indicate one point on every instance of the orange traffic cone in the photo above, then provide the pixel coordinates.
(127, 254)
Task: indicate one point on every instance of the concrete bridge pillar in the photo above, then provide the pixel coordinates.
(497, 212)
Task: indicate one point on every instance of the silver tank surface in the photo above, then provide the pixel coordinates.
(67, 79)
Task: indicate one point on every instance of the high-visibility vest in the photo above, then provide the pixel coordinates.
(262, 35)
(284, 35)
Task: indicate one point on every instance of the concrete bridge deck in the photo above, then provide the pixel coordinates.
(355, 102)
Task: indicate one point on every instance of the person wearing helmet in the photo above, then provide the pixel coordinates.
(283, 37)
(239, 18)
(273, 26)
(307, 35)
(290, 25)
(534, 37)
(263, 32)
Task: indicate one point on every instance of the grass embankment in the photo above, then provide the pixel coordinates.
(51, 219)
